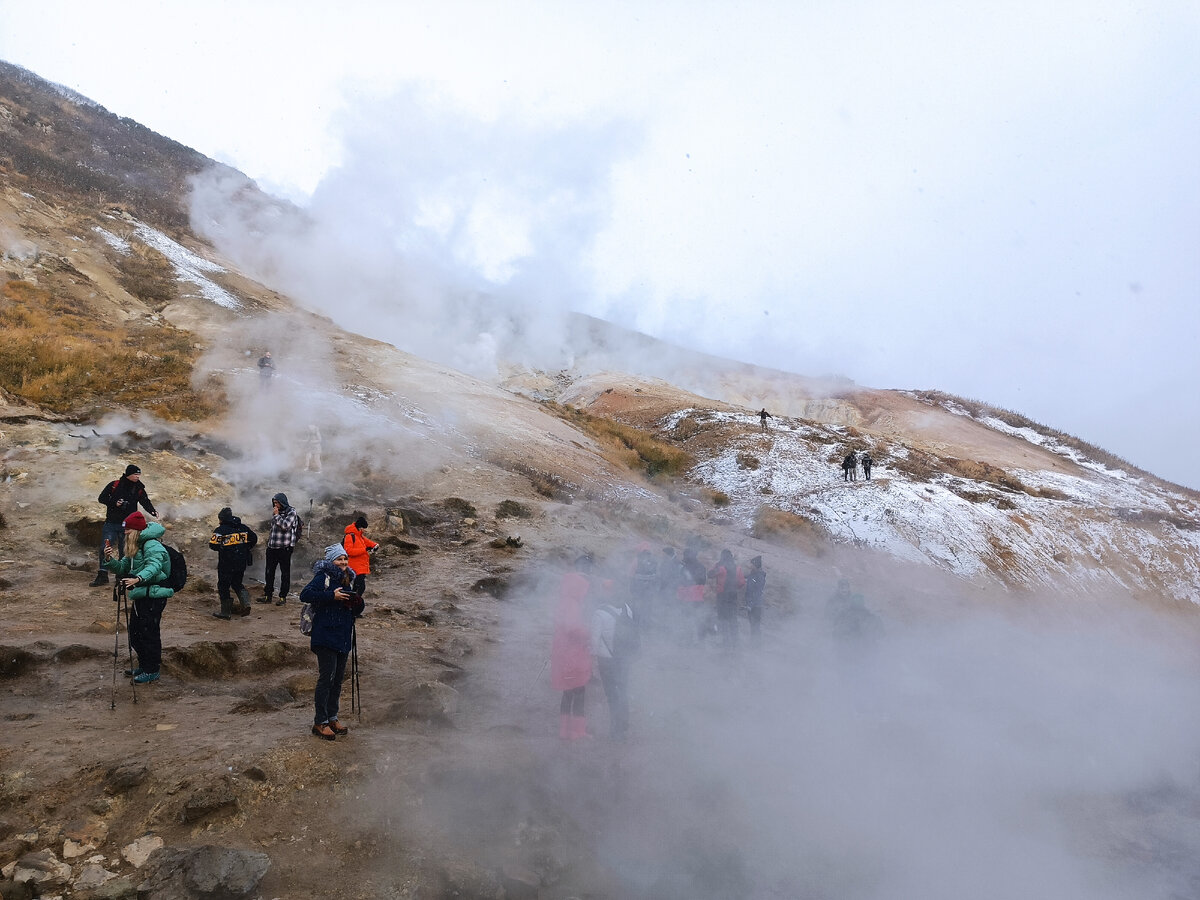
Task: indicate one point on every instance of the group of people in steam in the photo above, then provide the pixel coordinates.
(334, 595)
(599, 621)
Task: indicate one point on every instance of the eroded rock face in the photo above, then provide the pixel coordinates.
(187, 873)
(120, 778)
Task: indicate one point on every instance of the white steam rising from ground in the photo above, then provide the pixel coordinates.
(990, 756)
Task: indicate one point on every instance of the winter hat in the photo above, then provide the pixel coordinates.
(360, 522)
(756, 562)
(131, 469)
(225, 515)
(333, 551)
(135, 521)
(281, 499)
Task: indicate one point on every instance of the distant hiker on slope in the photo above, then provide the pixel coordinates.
(143, 576)
(763, 415)
(570, 650)
(266, 369)
(727, 578)
(867, 462)
(358, 549)
(756, 583)
(312, 449)
(286, 530)
(233, 542)
(121, 498)
(850, 467)
(335, 607)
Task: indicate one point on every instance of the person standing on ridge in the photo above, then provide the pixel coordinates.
(266, 369)
(358, 549)
(850, 467)
(763, 415)
(233, 542)
(144, 575)
(286, 530)
(121, 497)
(867, 462)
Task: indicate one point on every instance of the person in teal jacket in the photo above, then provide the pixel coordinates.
(143, 575)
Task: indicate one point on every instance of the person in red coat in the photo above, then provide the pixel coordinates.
(571, 649)
(358, 549)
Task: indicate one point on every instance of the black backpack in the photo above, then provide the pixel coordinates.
(178, 577)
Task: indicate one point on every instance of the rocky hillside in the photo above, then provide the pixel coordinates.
(127, 339)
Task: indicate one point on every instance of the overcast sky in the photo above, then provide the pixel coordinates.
(999, 200)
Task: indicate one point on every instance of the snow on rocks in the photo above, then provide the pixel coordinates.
(189, 267)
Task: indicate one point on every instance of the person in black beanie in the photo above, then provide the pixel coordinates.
(233, 542)
(122, 498)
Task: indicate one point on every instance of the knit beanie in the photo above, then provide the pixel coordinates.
(131, 469)
(333, 551)
(135, 521)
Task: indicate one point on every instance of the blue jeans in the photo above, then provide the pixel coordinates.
(331, 668)
(115, 532)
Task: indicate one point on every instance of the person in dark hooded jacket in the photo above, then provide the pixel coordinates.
(233, 542)
(335, 607)
(121, 498)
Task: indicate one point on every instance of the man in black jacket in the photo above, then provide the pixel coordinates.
(122, 498)
(233, 542)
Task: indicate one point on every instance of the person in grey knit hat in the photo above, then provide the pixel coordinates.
(335, 607)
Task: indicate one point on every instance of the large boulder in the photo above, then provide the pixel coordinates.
(203, 873)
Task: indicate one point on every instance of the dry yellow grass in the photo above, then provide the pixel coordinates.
(57, 355)
(625, 444)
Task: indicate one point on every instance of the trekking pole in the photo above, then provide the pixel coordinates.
(128, 632)
(355, 688)
(537, 679)
(116, 641)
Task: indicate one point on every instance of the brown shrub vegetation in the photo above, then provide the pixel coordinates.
(54, 354)
(630, 446)
(779, 526)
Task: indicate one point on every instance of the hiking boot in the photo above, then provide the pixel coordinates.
(265, 598)
(337, 727)
(243, 609)
(221, 615)
(145, 678)
(324, 731)
(131, 673)
(101, 578)
(244, 598)
(281, 601)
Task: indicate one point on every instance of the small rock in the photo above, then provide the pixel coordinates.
(121, 778)
(139, 851)
(100, 627)
(42, 868)
(92, 876)
(100, 805)
(75, 849)
(11, 890)
(209, 801)
(204, 872)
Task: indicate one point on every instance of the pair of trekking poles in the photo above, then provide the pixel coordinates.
(121, 598)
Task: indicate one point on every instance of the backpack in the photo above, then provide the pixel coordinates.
(178, 577)
(627, 638)
(308, 612)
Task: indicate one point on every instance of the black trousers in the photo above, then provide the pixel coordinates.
(229, 578)
(145, 619)
(283, 559)
(331, 669)
(614, 675)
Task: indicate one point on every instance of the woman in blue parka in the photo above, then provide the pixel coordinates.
(335, 607)
(144, 575)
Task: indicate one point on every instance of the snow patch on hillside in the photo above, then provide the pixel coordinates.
(189, 267)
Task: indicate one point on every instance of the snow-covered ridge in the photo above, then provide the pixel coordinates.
(189, 267)
(1083, 529)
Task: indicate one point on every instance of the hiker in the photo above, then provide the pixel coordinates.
(850, 467)
(335, 607)
(615, 643)
(727, 578)
(643, 585)
(358, 549)
(848, 618)
(867, 462)
(570, 650)
(233, 542)
(312, 449)
(756, 583)
(690, 593)
(286, 530)
(266, 369)
(121, 497)
(143, 575)
(763, 415)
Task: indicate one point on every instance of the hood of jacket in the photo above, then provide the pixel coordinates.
(281, 499)
(152, 532)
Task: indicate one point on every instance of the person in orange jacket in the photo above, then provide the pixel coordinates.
(358, 546)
